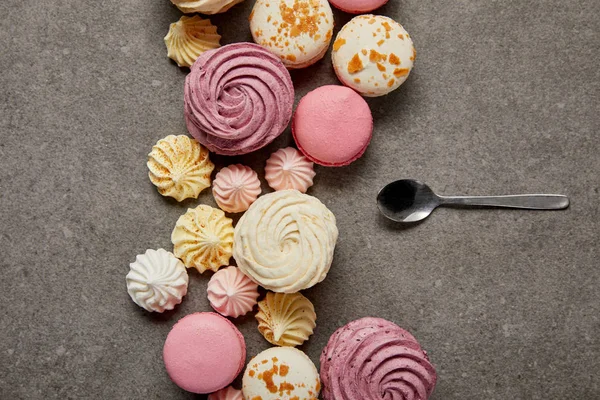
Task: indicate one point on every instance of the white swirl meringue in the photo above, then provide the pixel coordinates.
(157, 280)
(189, 37)
(179, 167)
(203, 238)
(285, 241)
(289, 169)
(231, 293)
(205, 6)
(286, 319)
(236, 187)
(228, 393)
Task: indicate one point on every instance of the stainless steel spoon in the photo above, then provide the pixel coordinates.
(408, 200)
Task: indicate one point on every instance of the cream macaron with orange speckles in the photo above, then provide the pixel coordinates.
(297, 31)
(373, 55)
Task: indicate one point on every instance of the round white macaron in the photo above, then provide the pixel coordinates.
(373, 55)
(297, 31)
(281, 373)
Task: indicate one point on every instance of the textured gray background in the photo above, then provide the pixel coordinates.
(503, 99)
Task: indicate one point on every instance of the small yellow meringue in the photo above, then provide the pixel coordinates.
(179, 167)
(286, 319)
(203, 238)
(205, 6)
(189, 37)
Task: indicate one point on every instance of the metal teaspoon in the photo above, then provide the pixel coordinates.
(408, 201)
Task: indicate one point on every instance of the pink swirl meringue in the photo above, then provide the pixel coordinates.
(231, 293)
(235, 188)
(238, 98)
(228, 393)
(372, 358)
(289, 169)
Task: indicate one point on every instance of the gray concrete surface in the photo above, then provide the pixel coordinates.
(504, 99)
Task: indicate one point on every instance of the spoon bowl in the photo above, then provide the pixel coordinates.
(409, 201)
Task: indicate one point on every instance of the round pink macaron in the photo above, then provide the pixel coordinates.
(332, 125)
(204, 352)
(357, 6)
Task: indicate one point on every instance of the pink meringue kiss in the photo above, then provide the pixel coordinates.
(289, 169)
(238, 98)
(231, 293)
(235, 188)
(228, 393)
(372, 358)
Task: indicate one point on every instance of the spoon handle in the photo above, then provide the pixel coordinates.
(527, 201)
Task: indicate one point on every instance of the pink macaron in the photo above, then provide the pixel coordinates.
(332, 125)
(357, 6)
(204, 352)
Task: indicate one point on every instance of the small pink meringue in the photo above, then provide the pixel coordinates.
(289, 169)
(231, 293)
(228, 393)
(235, 188)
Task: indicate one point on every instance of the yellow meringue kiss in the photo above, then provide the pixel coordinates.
(286, 319)
(189, 37)
(203, 238)
(205, 6)
(179, 167)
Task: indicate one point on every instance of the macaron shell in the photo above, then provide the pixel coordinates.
(373, 55)
(296, 31)
(204, 352)
(332, 125)
(357, 6)
(281, 373)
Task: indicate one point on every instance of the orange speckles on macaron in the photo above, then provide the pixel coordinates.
(258, 33)
(380, 42)
(394, 59)
(391, 82)
(372, 21)
(414, 54)
(387, 35)
(400, 36)
(398, 72)
(386, 26)
(355, 65)
(375, 56)
(283, 370)
(338, 44)
(381, 67)
(251, 15)
(269, 18)
(357, 80)
(290, 57)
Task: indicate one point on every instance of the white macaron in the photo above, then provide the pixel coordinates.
(373, 55)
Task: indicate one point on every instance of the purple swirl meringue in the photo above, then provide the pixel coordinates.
(375, 359)
(238, 98)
